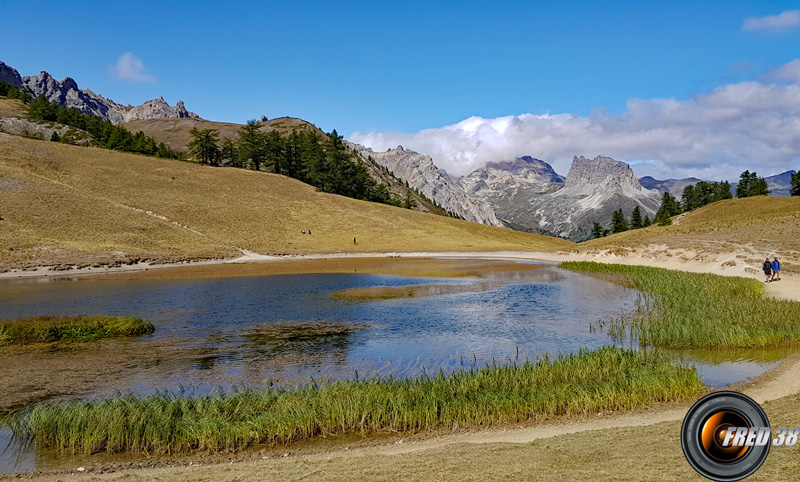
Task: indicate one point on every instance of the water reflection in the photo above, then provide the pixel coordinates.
(284, 330)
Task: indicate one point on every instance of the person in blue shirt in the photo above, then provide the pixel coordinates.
(776, 269)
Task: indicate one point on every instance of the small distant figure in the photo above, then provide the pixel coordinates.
(776, 269)
(303, 232)
(354, 240)
(1, 218)
(767, 267)
(309, 231)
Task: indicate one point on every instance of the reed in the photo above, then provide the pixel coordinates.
(607, 379)
(70, 329)
(681, 309)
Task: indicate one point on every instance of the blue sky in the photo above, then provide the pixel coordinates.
(393, 69)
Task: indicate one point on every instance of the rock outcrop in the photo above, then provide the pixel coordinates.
(593, 190)
(422, 174)
(66, 92)
(9, 75)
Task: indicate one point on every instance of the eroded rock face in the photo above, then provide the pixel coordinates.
(66, 92)
(422, 174)
(9, 75)
(512, 178)
(593, 190)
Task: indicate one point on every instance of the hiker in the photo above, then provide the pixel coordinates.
(776, 269)
(767, 269)
(354, 240)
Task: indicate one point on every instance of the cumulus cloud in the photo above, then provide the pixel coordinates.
(129, 67)
(751, 125)
(773, 23)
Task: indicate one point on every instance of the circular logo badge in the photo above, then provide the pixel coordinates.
(726, 436)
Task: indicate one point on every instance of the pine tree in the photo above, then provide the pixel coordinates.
(636, 218)
(203, 145)
(597, 230)
(618, 222)
(795, 191)
(646, 221)
(669, 207)
(751, 185)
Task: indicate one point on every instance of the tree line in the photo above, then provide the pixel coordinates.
(14, 92)
(326, 163)
(103, 132)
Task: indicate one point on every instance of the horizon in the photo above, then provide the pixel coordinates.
(676, 91)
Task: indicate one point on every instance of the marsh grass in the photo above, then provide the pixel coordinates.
(70, 329)
(680, 309)
(607, 379)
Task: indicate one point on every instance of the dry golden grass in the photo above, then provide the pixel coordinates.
(12, 108)
(76, 205)
(175, 132)
(756, 227)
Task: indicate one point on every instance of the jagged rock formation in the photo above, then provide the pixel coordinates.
(66, 92)
(422, 174)
(512, 178)
(10, 75)
(593, 190)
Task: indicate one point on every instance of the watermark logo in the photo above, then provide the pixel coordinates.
(726, 436)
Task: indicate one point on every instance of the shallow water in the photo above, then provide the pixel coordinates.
(215, 328)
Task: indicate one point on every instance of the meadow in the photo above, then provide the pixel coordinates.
(68, 205)
(679, 309)
(588, 382)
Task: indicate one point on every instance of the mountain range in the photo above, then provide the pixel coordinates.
(66, 92)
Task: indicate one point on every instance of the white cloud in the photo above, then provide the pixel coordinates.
(751, 125)
(131, 68)
(773, 23)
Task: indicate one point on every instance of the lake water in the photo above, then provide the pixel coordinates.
(215, 328)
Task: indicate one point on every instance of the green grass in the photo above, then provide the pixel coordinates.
(607, 379)
(70, 329)
(681, 309)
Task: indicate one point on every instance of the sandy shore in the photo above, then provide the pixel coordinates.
(250, 263)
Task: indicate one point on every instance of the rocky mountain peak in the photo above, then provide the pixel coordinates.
(419, 171)
(66, 92)
(602, 171)
(9, 75)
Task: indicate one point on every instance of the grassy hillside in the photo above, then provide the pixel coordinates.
(748, 228)
(175, 132)
(12, 108)
(78, 205)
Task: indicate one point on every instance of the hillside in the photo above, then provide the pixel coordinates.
(735, 233)
(175, 134)
(64, 204)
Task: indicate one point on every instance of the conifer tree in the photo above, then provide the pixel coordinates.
(636, 218)
(619, 224)
(597, 230)
(203, 145)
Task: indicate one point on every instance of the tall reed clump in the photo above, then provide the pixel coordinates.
(70, 329)
(684, 309)
(586, 382)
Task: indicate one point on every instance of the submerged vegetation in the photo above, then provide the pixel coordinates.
(70, 329)
(607, 379)
(682, 309)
